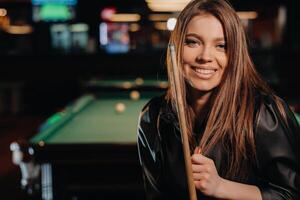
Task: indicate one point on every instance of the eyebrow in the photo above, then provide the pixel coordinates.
(200, 38)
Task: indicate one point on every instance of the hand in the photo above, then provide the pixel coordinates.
(205, 175)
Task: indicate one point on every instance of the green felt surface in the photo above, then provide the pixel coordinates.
(95, 120)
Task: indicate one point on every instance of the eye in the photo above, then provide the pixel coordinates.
(222, 46)
(191, 42)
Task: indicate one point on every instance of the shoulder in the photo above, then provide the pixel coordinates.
(265, 112)
(276, 134)
(148, 134)
(150, 111)
(273, 112)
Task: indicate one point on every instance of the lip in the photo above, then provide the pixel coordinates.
(204, 72)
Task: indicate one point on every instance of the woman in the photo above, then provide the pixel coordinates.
(247, 135)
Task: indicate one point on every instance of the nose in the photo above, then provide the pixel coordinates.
(205, 55)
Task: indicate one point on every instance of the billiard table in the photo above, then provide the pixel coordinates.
(86, 151)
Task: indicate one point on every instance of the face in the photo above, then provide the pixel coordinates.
(204, 53)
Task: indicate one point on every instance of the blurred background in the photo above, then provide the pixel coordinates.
(54, 51)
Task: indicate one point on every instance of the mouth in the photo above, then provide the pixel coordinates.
(204, 73)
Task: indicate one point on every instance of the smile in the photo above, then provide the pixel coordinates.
(204, 73)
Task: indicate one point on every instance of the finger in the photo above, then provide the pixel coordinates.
(199, 168)
(201, 159)
(198, 150)
(201, 185)
(200, 176)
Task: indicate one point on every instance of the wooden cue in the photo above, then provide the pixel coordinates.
(182, 122)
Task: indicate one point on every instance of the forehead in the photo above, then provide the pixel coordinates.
(206, 24)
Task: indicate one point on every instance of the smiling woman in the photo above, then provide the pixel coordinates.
(246, 135)
(204, 54)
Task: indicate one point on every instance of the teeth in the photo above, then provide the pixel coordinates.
(204, 71)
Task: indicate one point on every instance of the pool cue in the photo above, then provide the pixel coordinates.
(175, 81)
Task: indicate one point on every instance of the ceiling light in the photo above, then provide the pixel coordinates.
(3, 12)
(167, 5)
(123, 17)
(24, 29)
(171, 23)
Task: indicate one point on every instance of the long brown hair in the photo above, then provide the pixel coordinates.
(230, 119)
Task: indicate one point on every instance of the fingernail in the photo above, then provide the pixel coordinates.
(199, 151)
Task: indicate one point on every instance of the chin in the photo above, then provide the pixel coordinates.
(202, 86)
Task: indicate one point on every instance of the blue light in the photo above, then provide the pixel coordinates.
(65, 2)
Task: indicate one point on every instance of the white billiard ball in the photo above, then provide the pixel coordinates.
(120, 107)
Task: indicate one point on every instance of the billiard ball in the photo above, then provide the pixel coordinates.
(135, 95)
(163, 84)
(139, 81)
(120, 107)
(126, 85)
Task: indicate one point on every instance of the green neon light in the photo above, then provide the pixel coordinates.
(55, 12)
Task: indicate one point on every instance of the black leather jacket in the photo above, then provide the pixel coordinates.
(277, 173)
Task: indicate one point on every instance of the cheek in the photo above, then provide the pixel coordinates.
(187, 55)
(222, 61)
